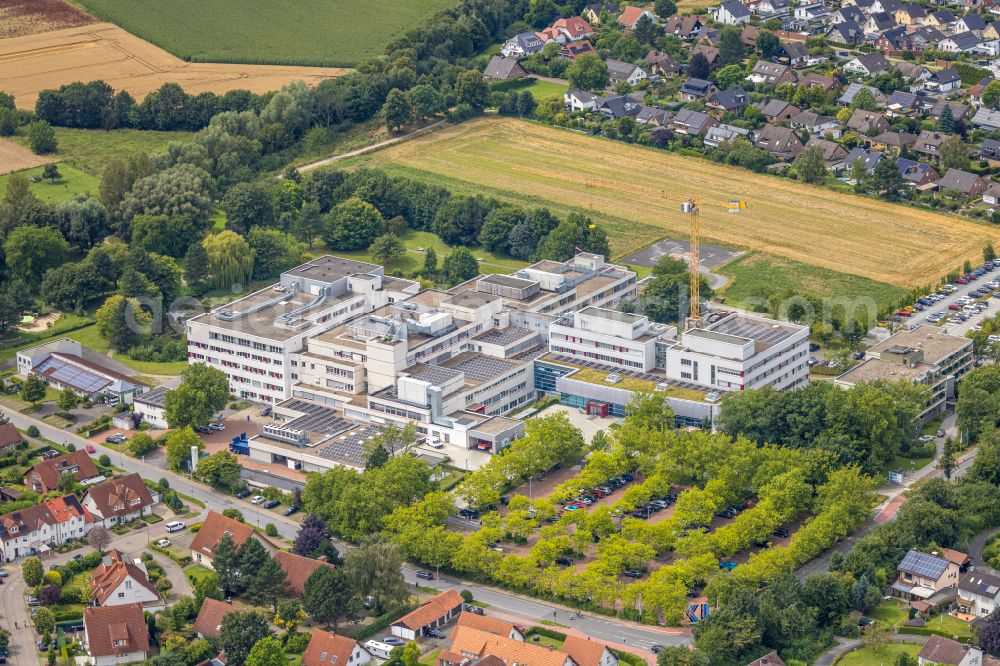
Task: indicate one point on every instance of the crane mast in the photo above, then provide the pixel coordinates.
(692, 207)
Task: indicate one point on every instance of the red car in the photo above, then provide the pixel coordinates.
(904, 313)
(91, 449)
(954, 306)
(599, 494)
(962, 281)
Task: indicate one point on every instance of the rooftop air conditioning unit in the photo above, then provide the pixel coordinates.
(663, 386)
(613, 379)
(712, 397)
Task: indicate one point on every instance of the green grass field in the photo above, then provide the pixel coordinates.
(90, 337)
(542, 89)
(304, 32)
(71, 182)
(881, 657)
(757, 275)
(91, 150)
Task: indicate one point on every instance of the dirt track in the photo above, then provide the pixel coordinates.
(32, 63)
(15, 158)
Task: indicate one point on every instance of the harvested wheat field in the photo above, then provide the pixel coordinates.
(15, 158)
(850, 234)
(31, 63)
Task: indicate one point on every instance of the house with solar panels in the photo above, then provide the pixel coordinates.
(978, 592)
(65, 363)
(926, 580)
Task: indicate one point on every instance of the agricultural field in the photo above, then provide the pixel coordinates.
(91, 150)
(70, 182)
(15, 158)
(304, 32)
(636, 193)
(27, 17)
(32, 63)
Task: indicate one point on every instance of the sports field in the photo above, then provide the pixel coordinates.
(330, 33)
(637, 193)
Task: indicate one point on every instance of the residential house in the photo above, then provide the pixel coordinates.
(521, 45)
(912, 71)
(962, 42)
(731, 12)
(964, 182)
(944, 81)
(780, 142)
(711, 54)
(327, 649)
(297, 570)
(878, 23)
(868, 159)
(768, 9)
(490, 625)
(684, 26)
(811, 11)
(987, 119)
(44, 476)
(580, 100)
(770, 73)
(613, 107)
(663, 64)
(916, 173)
(631, 15)
(976, 91)
(573, 50)
(775, 110)
(593, 11)
(939, 651)
(922, 575)
(624, 72)
(867, 65)
(893, 41)
(847, 99)
(720, 133)
(151, 407)
(816, 124)
(892, 143)
(847, 33)
(941, 19)
(959, 111)
(214, 528)
(503, 69)
(990, 32)
(115, 634)
(901, 103)
(748, 35)
(118, 501)
(833, 152)
(119, 580)
(978, 590)
(929, 144)
(813, 80)
(11, 439)
(971, 22)
(885, 6)
(208, 624)
(910, 14)
(431, 614)
(471, 646)
(573, 28)
(588, 652)
(33, 530)
(848, 13)
(865, 122)
(923, 38)
(769, 659)
(733, 100)
(649, 115)
(989, 149)
(696, 89)
(692, 123)
(796, 53)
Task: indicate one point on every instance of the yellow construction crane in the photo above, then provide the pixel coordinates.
(691, 207)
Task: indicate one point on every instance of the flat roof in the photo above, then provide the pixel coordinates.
(507, 281)
(496, 425)
(504, 336)
(718, 337)
(764, 332)
(611, 315)
(929, 339)
(470, 299)
(329, 268)
(873, 369)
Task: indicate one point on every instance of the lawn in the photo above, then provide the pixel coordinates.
(636, 192)
(304, 32)
(197, 572)
(888, 612)
(91, 150)
(949, 626)
(881, 657)
(71, 182)
(757, 275)
(541, 89)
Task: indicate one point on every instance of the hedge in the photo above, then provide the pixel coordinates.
(548, 633)
(926, 631)
(629, 658)
(383, 621)
(62, 616)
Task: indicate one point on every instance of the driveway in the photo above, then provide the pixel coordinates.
(711, 257)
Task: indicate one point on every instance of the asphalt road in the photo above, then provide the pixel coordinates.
(530, 610)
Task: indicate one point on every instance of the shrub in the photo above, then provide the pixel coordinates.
(296, 643)
(32, 431)
(270, 530)
(467, 595)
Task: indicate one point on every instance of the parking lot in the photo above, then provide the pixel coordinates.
(954, 307)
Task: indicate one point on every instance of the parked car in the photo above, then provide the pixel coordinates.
(434, 633)
(632, 573)
(202, 429)
(656, 648)
(91, 449)
(927, 438)
(781, 532)
(114, 439)
(243, 494)
(425, 575)
(470, 514)
(290, 511)
(258, 499)
(163, 543)
(564, 561)
(271, 504)
(858, 355)
(940, 432)
(392, 640)
(728, 565)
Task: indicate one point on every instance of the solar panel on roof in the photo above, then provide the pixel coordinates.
(923, 564)
(71, 375)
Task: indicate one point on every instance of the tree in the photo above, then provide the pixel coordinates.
(460, 265)
(471, 89)
(42, 138)
(989, 633)
(731, 49)
(398, 110)
(767, 44)
(810, 166)
(32, 570)
(203, 391)
(67, 399)
(387, 248)
(426, 101)
(353, 224)
(267, 584)
(946, 463)
(430, 262)
(267, 652)
(374, 566)
(183, 189)
(680, 655)
(240, 632)
(864, 99)
(99, 537)
(45, 621)
(730, 76)
(178, 449)
(588, 72)
(665, 8)
(327, 595)
(991, 94)
(698, 66)
(51, 171)
(230, 259)
(9, 121)
(290, 615)
(887, 179)
(33, 389)
(667, 299)
(989, 254)
(196, 269)
(121, 321)
(140, 444)
(946, 121)
(274, 251)
(954, 153)
(221, 470)
(311, 536)
(206, 587)
(308, 225)
(247, 205)
(646, 30)
(30, 251)
(226, 565)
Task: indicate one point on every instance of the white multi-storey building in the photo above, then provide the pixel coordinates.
(49, 523)
(609, 337)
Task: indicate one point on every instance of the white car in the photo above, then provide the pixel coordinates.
(435, 443)
(163, 543)
(258, 499)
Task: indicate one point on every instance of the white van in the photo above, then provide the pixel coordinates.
(378, 649)
(175, 526)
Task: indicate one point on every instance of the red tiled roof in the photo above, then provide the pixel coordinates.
(47, 472)
(107, 624)
(472, 643)
(9, 435)
(215, 526)
(298, 569)
(769, 659)
(111, 573)
(630, 15)
(210, 616)
(583, 651)
(327, 649)
(432, 609)
(484, 623)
